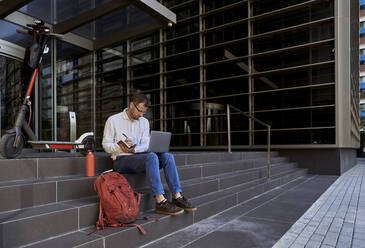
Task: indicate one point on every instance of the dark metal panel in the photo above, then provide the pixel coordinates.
(89, 16)
(9, 6)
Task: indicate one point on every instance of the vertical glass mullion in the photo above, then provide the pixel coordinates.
(202, 75)
(251, 80)
(54, 87)
(93, 93)
(162, 63)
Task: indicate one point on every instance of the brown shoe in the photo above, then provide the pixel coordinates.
(167, 207)
(183, 203)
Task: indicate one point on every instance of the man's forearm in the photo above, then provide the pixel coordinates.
(111, 147)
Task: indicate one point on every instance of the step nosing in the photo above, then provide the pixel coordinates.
(233, 173)
(37, 215)
(256, 182)
(79, 206)
(222, 162)
(27, 208)
(43, 180)
(49, 239)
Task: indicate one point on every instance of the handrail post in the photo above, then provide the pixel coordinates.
(268, 151)
(229, 128)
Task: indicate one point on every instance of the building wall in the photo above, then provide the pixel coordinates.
(327, 161)
(346, 75)
(287, 63)
(274, 60)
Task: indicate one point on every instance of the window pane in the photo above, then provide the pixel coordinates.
(74, 89)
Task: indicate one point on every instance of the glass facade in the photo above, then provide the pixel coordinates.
(110, 85)
(46, 96)
(12, 90)
(273, 60)
(74, 80)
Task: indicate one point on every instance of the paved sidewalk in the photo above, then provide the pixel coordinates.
(336, 219)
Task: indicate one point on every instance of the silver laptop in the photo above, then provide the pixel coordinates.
(159, 142)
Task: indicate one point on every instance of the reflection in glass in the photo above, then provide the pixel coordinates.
(12, 91)
(46, 97)
(8, 33)
(74, 89)
(40, 9)
(110, 86)
(129, 18)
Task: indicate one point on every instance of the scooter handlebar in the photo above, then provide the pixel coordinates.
(22, 31)
(59, 36)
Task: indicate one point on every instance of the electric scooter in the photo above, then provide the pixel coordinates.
(13, 141)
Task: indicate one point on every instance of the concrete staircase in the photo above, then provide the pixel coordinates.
(48, 202)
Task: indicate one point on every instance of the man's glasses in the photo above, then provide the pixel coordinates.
(138, 108)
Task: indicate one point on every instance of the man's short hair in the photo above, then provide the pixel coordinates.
(138, 98)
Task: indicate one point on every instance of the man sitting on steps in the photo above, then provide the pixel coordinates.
(133, 125)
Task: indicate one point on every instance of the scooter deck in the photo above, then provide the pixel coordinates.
(56, 145)
(53, 142)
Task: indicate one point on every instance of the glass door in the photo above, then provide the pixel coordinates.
(13, 83)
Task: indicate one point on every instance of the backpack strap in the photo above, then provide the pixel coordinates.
(147, 218)
(100, 223)
(138, 195)
(128, 225)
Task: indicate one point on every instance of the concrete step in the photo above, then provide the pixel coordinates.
(29, 193)
(215, 168)
(19, 195)
(189, 158)
(131, 237)
(75, 239)
(247, 190)
(55, 192)
(83, 212)
(34, 224)
(41, 168)
(88, 207)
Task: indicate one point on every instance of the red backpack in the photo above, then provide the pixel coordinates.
(118, 205)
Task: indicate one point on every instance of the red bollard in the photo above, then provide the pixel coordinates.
(90, 164)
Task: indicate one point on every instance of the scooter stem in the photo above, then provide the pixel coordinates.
(29, 91)
(20, 120)
(19, 123)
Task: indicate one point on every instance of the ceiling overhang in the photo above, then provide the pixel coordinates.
(89, 16)
(160, 15)
(9, 6)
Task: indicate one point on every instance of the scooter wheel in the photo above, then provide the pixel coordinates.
(7, 149)
(89, 143)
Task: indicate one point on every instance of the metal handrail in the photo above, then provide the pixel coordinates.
(256, 120)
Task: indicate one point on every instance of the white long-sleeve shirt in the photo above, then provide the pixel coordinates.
(137, 130)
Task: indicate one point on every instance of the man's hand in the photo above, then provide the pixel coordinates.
(131, 150)
(128, 141)
(125, 148)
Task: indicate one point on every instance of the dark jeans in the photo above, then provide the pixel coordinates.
(151, 163)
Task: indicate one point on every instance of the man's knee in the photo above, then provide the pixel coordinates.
(167, 158)
(167, 155)
(152, 158)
